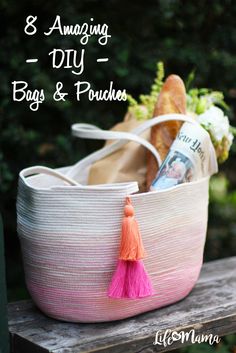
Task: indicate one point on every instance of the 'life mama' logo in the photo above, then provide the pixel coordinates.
(168, 337)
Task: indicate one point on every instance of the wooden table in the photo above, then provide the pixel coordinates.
(210, 308)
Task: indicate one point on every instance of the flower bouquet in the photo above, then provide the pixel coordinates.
(205, 105)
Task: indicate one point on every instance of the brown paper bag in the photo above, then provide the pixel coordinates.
(126, 164)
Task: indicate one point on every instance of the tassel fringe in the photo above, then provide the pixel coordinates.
(130, 279)
(131, 247)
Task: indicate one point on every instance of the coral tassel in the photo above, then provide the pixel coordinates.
(131, 246)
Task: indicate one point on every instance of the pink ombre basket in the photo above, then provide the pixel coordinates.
(70, 235)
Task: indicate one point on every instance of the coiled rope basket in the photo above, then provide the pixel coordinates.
(70, 234)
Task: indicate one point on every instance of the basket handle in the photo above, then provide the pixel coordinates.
(130, 187)
(93, 132)
(48, 171)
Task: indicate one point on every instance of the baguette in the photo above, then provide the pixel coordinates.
(172, 99)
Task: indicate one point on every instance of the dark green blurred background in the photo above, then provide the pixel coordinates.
(186, 35)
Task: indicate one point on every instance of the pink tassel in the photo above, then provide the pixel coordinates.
(138, 283)
(130, 280)
(117, 286)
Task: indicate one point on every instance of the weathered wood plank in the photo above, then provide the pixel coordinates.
(210, 308)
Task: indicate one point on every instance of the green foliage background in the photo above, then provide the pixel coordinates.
(186, 35)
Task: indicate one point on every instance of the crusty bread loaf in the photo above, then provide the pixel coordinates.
(172, 99)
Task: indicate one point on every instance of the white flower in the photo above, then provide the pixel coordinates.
(214, 121)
